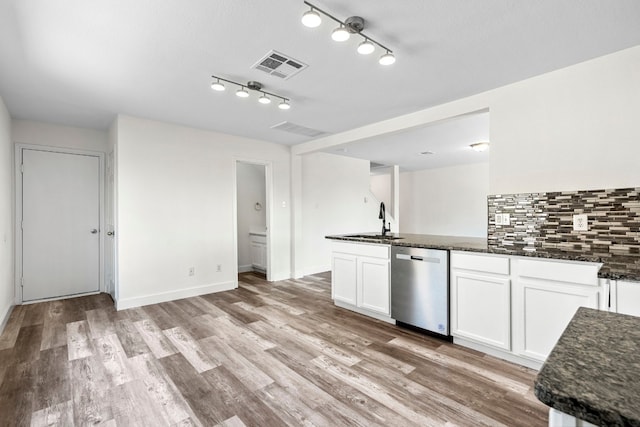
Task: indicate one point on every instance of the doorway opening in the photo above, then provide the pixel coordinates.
(252, 217)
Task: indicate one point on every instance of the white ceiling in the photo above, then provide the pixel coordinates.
(448, 142)
(78, 62)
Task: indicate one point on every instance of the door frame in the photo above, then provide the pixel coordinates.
(268, 179)
(19, 148)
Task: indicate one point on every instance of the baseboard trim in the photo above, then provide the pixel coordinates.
(245, 268)
(501, 354)
(5, 317)
(125, 303)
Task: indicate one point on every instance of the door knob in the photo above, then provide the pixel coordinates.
(94, 231)
(110, 233)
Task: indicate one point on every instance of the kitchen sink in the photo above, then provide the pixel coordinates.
(373, 236)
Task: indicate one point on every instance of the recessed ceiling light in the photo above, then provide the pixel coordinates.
(480, 146)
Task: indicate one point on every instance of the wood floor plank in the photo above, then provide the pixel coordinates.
(60, 414)
(34, 314)
(157, 342)
(90, 391)
(232, 422)
(78, 340)
(12, 328)
(114, 359)
(132, 405)
(190, 349)
(17, 394)
(248, 374)
(54, 331)
(166, 397)
(27, 345)
(132, 342)
(53, 384)
(100, 323)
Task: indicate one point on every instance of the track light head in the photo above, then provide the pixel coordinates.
(284, 105)
(311, 19)
(340, 34)
(366, 47)
(242, 93)
(217, 86)
(264, 99)
(387, 59)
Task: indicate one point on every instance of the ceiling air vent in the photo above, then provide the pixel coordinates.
(297, 129)
(279, 65)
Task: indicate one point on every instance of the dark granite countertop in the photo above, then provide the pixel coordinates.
(593, 372)
(615, 267)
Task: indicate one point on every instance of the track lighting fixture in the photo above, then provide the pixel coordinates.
(352, 25)
(242, 92)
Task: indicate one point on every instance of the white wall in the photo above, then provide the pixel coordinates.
(445, 201)
(570, 129)
(334, 189)
(39, 133)
(175, 209)
(6, 216)
(250, 190)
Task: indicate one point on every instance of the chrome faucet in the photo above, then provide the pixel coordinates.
(383, 217)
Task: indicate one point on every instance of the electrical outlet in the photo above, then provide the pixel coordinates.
(581, 222)
(192, 271)
(219, 268)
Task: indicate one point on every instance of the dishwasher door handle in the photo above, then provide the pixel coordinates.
(417, 258)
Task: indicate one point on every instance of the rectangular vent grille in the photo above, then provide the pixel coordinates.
(297, 129)
(279, 65)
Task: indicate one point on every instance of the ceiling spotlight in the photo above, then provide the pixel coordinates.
(217, 86)
(366, 47)
(340, 34)
(242, 93)
(264, 99)
(311, 19)
(480, 146)
(284, 105)
(387, 59)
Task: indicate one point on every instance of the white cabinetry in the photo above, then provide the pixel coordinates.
(360, 278)
(481, 299)
(258, 251)
(547, 294)
(626, 297)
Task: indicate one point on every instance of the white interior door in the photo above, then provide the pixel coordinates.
(60, 224)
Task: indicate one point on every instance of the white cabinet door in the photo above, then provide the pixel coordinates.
(258, 255)
(481, 308)
(344, 272)
(544, 311)
(628, 298)
(373, 284)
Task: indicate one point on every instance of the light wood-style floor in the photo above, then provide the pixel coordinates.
(266, 354)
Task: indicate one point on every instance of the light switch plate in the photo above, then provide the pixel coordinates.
(506, 220)
(498, 219)
(581, 222)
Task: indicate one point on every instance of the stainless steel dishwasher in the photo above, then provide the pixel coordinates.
(420, 288)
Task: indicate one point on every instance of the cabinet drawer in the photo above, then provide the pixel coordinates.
(582, 273)
(485, 263)
(362, 249)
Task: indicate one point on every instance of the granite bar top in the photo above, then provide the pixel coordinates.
(593, 372)
(615, 267)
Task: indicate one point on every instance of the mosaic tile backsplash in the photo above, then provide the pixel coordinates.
(541, 221)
